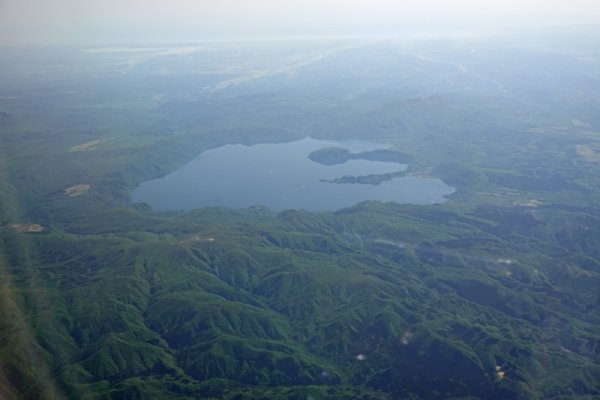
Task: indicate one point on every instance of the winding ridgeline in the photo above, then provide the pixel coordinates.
(493, 294)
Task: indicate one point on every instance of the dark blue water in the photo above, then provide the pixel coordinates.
(281, 176)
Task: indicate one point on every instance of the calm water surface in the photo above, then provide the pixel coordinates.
(281, 176)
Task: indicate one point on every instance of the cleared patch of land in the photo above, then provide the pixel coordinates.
(499, 373)
(91, 145)
(26, 228)
(587, 153)
(77, 190)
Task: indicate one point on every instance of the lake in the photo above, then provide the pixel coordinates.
(281, 176)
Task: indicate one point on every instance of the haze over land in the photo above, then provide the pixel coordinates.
(152, 21)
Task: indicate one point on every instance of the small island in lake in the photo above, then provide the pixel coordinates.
(373, 179)
(338, 155)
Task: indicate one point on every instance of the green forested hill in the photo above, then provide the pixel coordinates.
(432, 300)
(494, 294)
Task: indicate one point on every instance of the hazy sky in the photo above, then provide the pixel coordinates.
(135, 21)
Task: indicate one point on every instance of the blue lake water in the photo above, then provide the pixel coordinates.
(281, 176)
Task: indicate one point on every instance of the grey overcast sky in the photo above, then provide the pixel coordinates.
(138, 21)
